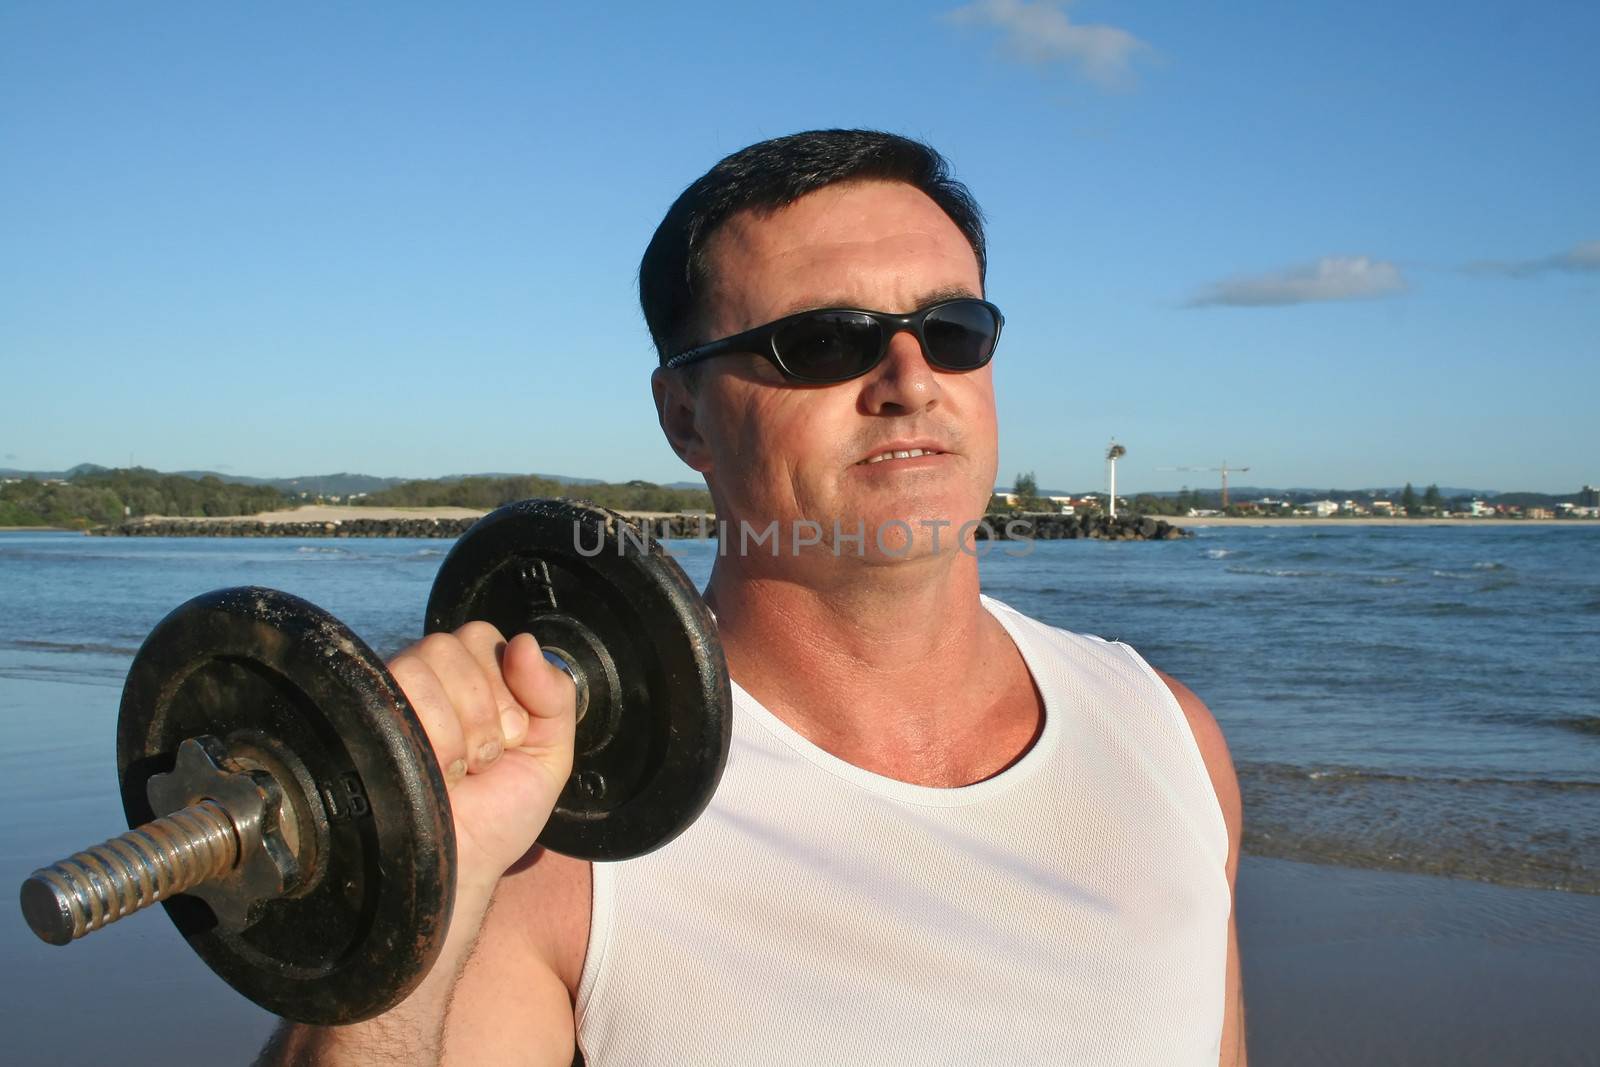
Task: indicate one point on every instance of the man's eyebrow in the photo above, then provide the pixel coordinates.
(927, 299)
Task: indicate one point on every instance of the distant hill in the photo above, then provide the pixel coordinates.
(345, 484)
(90, 494)
(341, 484)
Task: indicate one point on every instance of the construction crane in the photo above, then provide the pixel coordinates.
(1225, 469)
(1114, 453)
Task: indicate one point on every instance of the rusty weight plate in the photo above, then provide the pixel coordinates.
(653, 740)
(287, 688)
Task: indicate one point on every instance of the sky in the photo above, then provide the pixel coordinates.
(1341, 244)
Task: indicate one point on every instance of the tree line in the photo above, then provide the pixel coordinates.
(487, 493)
(107, 496)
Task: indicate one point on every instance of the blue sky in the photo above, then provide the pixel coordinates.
(1343, 244)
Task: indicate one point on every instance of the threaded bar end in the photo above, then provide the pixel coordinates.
(100, 885)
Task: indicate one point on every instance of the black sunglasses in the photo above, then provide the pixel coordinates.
(837, 344)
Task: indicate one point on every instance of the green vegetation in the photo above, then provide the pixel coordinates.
(1145, 504)
(486, 493)
(98, 497)
(1026, 487)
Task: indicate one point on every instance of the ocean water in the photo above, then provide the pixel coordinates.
(1422, 699)
(1418, 699)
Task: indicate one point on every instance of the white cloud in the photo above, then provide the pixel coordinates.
(1044, 34)
(1329, 278)
(1581, 258)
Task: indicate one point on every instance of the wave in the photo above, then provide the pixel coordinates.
(1582, 724)
(1489, 566)
(73, 675)
(1217, 553)
(1538, 829)
(1274, 572)
(1456, 610)
(1521, 868)
(69, 647)
(322, 550)
(1336, 774)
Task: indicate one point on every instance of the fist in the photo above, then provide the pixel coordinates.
(501, 721)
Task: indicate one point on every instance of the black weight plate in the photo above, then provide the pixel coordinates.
(284, 684)
(653, 742)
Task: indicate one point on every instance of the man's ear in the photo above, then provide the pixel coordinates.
(676, 409)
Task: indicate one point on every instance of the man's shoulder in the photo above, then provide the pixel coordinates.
(1213, 750)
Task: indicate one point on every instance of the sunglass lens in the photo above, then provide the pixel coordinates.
(829, 346)
(961, 334)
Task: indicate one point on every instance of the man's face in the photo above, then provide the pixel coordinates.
(771, 449)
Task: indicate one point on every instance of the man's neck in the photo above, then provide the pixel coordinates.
(897, 668)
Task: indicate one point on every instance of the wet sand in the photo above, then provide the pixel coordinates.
(1347, 966)
(1340, 967)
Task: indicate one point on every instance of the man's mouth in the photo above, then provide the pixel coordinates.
(903, 453)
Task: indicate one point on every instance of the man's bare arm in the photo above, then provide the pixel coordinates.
(1225, 782)
(502, 1003)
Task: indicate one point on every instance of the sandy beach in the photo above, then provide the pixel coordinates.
(330, 513)
(1228, 520)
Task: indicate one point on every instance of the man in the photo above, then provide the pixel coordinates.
(947, 833)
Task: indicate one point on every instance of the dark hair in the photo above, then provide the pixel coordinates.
(674, 274)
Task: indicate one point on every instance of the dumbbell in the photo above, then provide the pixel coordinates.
(287, 809)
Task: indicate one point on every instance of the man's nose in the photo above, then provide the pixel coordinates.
(904, 382)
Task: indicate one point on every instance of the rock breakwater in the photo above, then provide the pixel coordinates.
(420, 527)
(1048, 527)
(1042, 527)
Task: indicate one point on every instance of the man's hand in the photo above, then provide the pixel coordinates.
(501, 721)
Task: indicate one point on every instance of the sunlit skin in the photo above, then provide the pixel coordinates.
(771, 450)
(906, 674)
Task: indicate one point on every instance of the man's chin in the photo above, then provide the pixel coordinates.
(903, 533)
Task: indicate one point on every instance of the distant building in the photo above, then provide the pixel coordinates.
(1323, 508)
(1589, 497)
(1538, 513)
(1480, 509)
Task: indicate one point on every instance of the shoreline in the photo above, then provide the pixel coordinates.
(1230, 520)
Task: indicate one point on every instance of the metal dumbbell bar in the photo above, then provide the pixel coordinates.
(287, 809)
(232, 840)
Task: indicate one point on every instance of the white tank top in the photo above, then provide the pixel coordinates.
(1071, 910)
